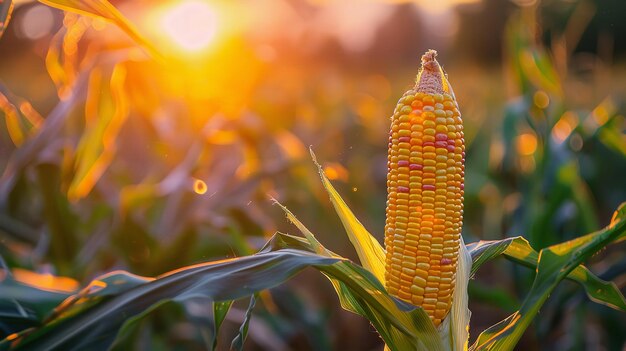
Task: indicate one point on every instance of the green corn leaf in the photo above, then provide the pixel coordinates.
(553, 265)
(94, 317)
(370, 252)
(618, 216)
(401, 325)
(107, 285)
(95, 327)
(238, 341)
(519, 250)
(314, 244)
(220, 310)
(23, 306)
(484, 251)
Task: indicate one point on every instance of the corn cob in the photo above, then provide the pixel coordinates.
(425, 182)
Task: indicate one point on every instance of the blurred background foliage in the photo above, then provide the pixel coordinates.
(118, 156)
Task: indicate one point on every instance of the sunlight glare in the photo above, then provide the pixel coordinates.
(191, 25)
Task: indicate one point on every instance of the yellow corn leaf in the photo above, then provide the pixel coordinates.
(6, 8)
(62, 59)
(105, 112)
(32, 116)
(370, 252)
(12, 120)
(104, 9)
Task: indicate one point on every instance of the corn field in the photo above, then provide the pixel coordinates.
(312, 175)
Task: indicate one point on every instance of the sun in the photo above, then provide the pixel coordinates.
(191, 25)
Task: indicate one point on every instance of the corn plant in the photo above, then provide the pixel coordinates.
(413, 291)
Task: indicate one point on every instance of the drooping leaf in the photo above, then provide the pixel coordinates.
(370, 252)
(104, 9)
(554, 264)
(95, 328)
(520, 251)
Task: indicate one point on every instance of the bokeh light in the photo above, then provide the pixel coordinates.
(36, 23)
(199, 187)
(526, 144)
(541, 99)
(564, 127)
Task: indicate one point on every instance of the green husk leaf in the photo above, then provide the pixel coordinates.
(460, 313)
(370, 252)
(401, 325)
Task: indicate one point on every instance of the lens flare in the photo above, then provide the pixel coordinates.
(191, 25)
